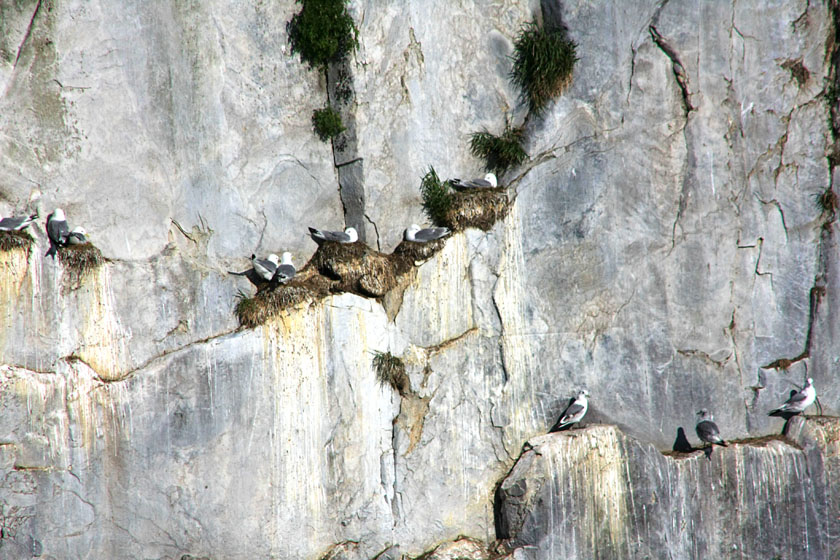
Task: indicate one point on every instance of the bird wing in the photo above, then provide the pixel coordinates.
(708, 431)
(324, 235)
(264, 268)
(430, 234)
(8, 224)
(797, 398)
(57, 231)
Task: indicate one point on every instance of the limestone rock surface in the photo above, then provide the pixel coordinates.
(596, 493)
(664, 250)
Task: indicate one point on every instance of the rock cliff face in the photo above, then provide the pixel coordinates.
(596, 493)
(665, 250)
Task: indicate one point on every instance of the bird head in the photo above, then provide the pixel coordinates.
(58, 214)
(287, 258)
(351, 232)
(273, 259)
(79, 230)
(411, 231)
(703, 414)
(491, 178)
(809, 382)
(583, 393)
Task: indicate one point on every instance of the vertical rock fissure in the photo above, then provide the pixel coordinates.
(348, 163)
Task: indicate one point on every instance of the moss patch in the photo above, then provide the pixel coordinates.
(13, 240)
(79, 260)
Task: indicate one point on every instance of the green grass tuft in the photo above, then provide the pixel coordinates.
(390, 370)
(322, 32)
(437, 197)
(327, 123)
(543, 62)
(499, 152)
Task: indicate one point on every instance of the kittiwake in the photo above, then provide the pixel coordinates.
(798, 402)
(17, 223)
(285, 270)
(417, 235)
(573, 413)
(707, 430)
(349, 235)
(265, 268)
(77, 237)
(57, 231)
(488, 182)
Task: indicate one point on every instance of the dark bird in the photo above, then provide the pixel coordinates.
(415, 234)
(265, 268)
(707, 430)
(573, 413)
(349, 235)
(17, 223)
(285, 270)
(57, 231)
(488, 182)
(681, 444)
(798, 401)
(77, 237)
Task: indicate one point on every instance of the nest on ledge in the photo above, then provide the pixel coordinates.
(479, 208)
(12, 240)
(79, 260)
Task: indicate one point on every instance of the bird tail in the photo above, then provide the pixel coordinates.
(722, 443)
(51, 251)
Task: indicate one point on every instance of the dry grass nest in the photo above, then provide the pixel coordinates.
(12, 240)
(80, 260)
(336, 268)
(480, 209)
(390, 370)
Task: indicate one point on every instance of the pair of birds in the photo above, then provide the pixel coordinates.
(798, 401)
(706, 428)
(413, 233)
(273, 269)
(60, 234)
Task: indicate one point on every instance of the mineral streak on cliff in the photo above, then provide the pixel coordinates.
(596, 493)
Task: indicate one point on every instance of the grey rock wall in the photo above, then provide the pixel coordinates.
(663, 249)
(596, 493)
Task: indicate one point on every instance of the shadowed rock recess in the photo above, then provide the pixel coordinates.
(669, 245)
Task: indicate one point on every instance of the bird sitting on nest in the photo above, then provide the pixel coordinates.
(489, 182)
(17, 223)
(349, 235)
(416, 235)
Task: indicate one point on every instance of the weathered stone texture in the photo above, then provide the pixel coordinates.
(664, 247)
(596, 493)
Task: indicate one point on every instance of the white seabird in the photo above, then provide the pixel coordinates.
(265, 268)
(57, 231)
(17, 223)
(573, 413)
(707, 430)
(798, 402)
(417, 235)
(285, 270)
(77, 237)
(349, 235)
(489, 182)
